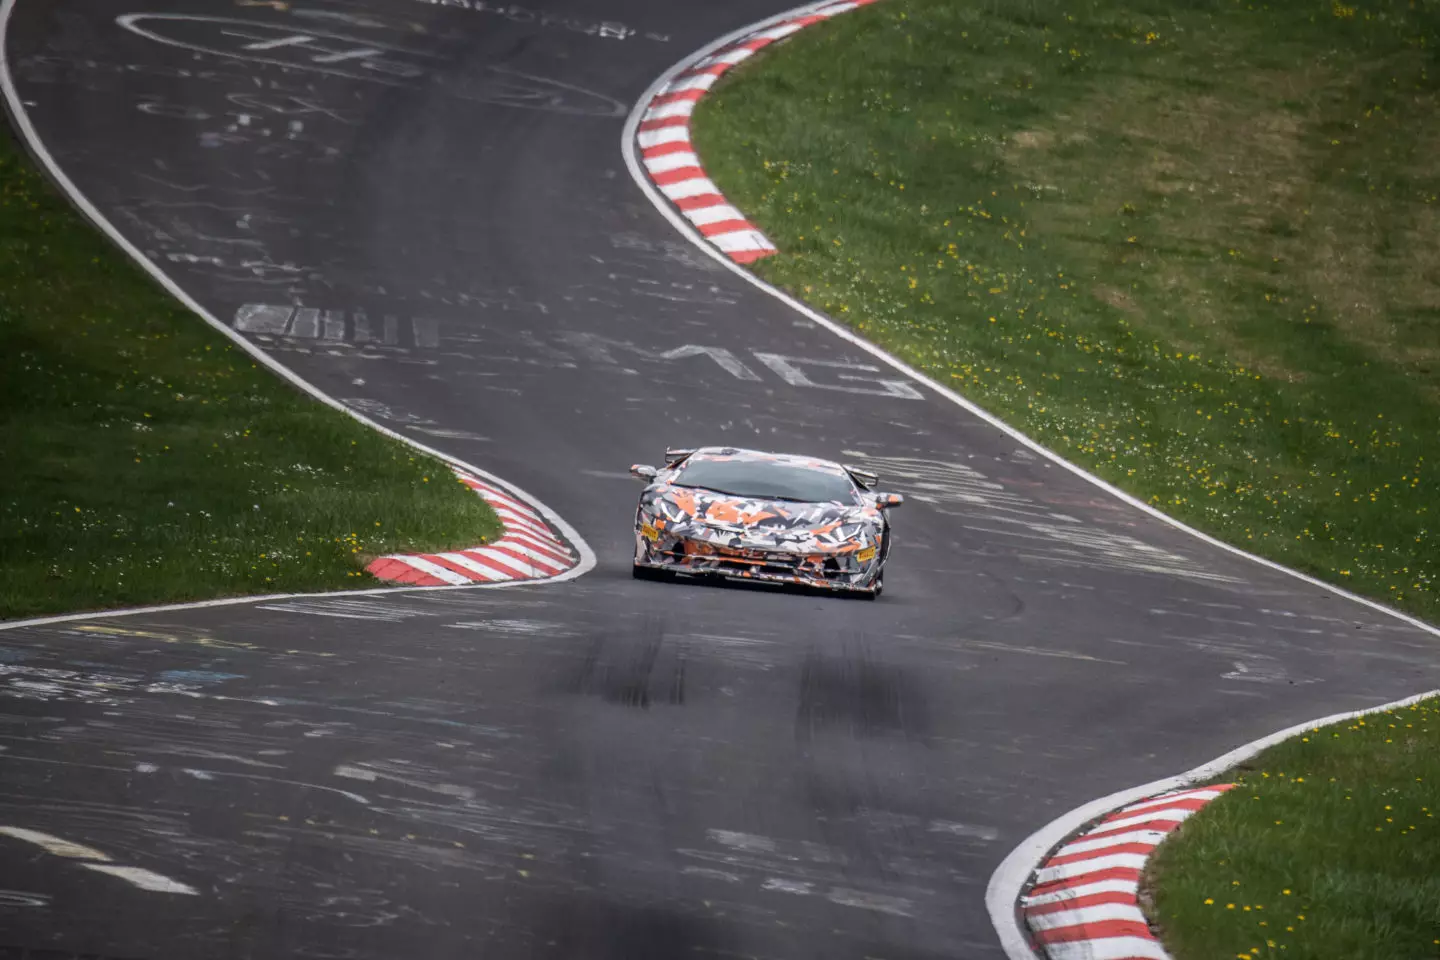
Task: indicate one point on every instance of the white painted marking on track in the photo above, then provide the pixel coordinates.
(1133, 861)
(539, 543)
(355, 773)
(703, 81)
(1201, 794)
(479, 569)
(360, 53)
(743, 241)
(654, 138)
(749, 842)
(780, 32)
(496, 556)
(695, 187)
(781, 885)
(719, 213)
(98, 861)
(535, 556)
(56, 846)
(963, 830)
(680, 108)
(1096, 914)
(727, 56)
(897, 906)
(1082, 890)
(672, 161)
(710, 874)
(1174, 815)
(1109, 948)
(290, 41)
(144, 879)
(1149, 837)
(434, 569)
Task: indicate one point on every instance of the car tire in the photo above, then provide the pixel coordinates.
(646, 573)
(879, 587)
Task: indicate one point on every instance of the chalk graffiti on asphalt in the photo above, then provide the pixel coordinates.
(515, 13)
(281, 325)
(363, 58)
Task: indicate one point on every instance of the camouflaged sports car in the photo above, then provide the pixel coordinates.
(748, 515)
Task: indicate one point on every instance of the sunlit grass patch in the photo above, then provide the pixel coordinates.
(1325, 850)
(1193, 247)
(147, 459)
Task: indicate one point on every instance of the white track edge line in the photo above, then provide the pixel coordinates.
(637, 173)
(1002, 893)
(21, 120)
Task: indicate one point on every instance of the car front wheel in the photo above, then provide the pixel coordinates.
(874, 594)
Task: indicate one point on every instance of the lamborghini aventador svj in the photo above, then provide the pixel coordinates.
(744, 514)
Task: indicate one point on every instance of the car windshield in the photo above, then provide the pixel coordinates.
(766, 480)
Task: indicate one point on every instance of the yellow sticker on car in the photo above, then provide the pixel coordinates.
(649, 532)
(866, 555)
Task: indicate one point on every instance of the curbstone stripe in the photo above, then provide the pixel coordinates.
(668, 156)
(1084, 902)
(529, 550)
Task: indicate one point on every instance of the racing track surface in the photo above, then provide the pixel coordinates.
(603, 768)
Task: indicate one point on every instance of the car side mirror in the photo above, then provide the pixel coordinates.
(865, 478)
(641, 472)
(887, 500)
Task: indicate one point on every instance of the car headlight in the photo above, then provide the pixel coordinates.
(847, 532)
(668, 510)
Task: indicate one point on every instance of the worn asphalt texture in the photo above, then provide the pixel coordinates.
(603, 768)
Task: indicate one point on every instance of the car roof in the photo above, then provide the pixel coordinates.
(761, 456)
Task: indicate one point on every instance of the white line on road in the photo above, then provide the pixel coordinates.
(58, 846)
(100, 862)
(144, 879)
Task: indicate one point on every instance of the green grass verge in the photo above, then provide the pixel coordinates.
(1194, 247)
(1326, 850)
(148, 459)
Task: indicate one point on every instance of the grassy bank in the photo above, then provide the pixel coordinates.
(149, 460)
(1326, 850)
(1193, 247)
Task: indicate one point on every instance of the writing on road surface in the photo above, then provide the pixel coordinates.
(342, 331)
(515, 13)
(300, 46)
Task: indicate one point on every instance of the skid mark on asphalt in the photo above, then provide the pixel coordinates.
(858, 695)
(92, 859)
(622, 670)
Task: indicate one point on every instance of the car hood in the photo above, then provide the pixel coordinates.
(750, 522)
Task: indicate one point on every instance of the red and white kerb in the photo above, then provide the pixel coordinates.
(1085, 905)
(530, 550)
(668, 156)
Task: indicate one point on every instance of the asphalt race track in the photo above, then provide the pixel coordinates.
(603, 768)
